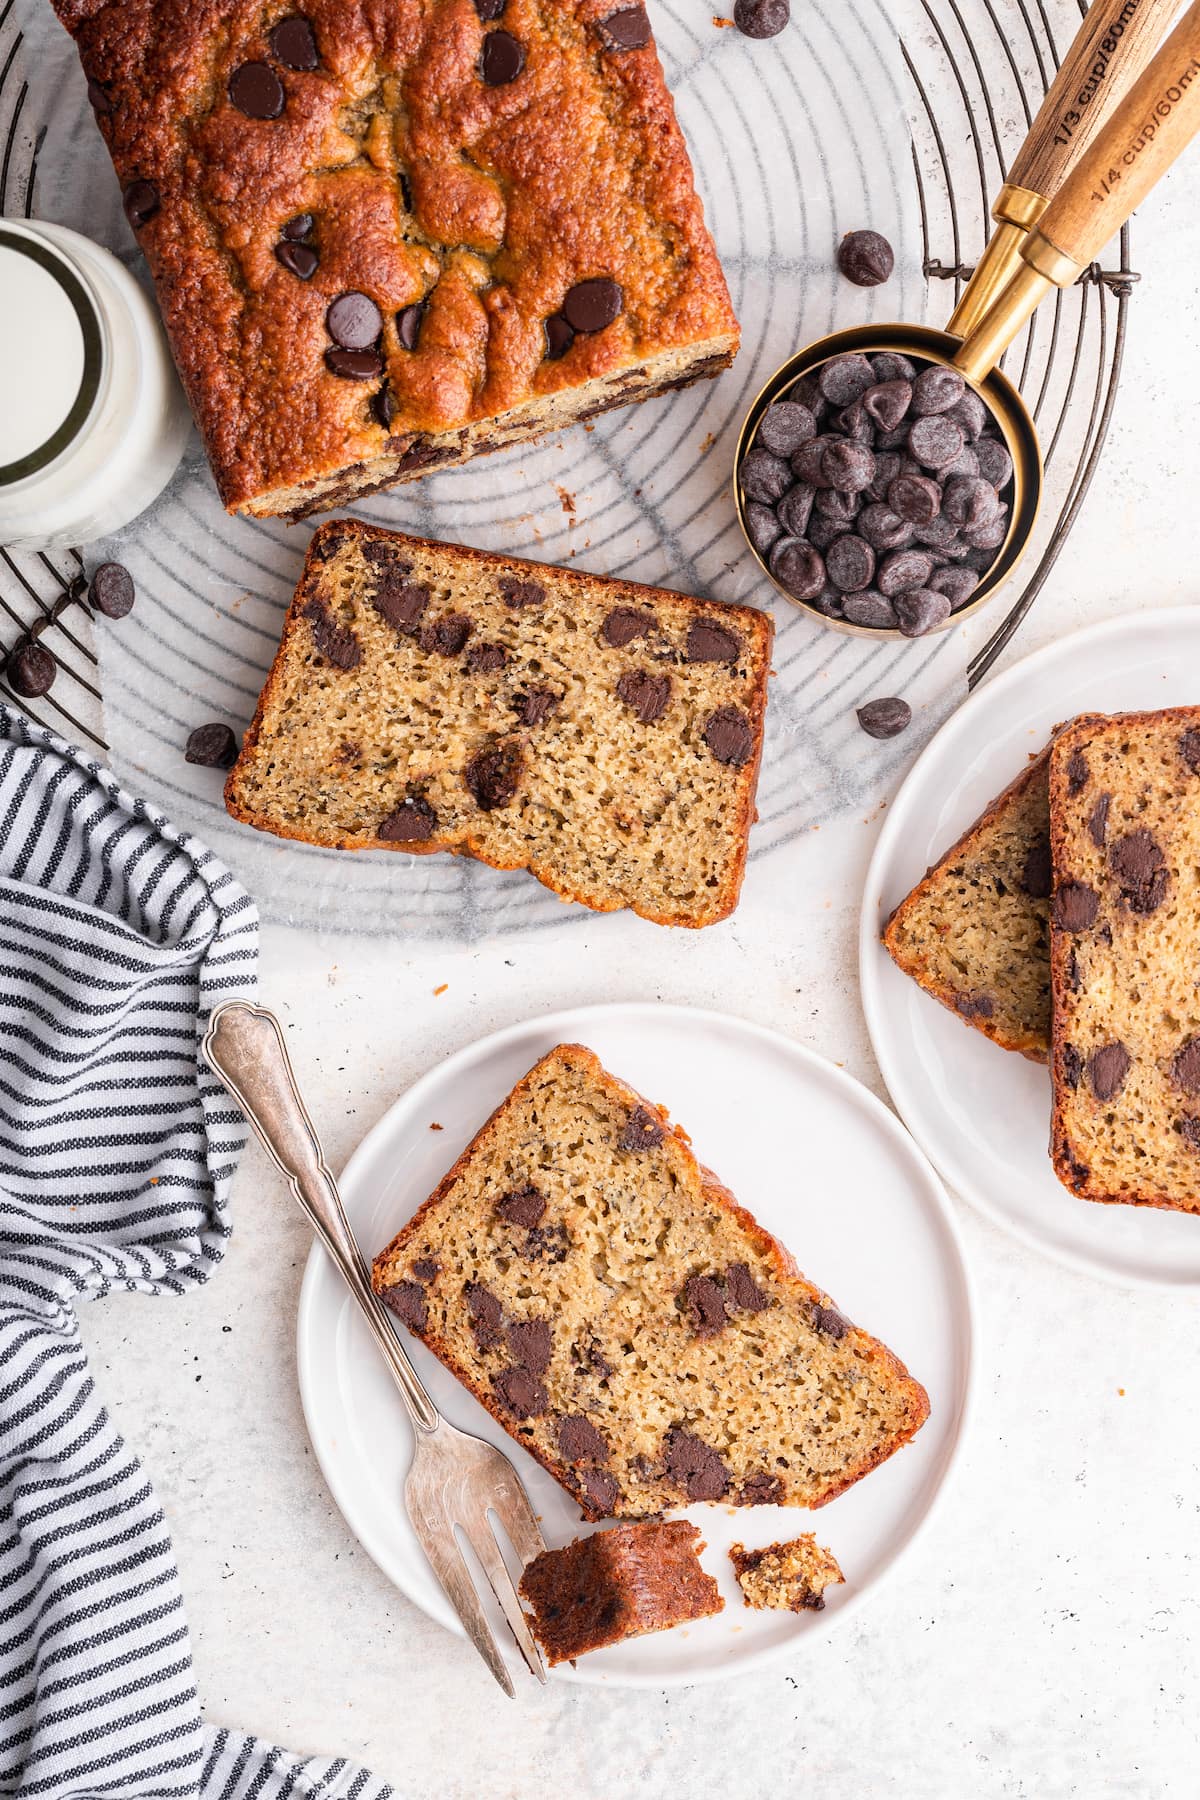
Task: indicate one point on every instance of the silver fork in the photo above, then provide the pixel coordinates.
(455, 1480)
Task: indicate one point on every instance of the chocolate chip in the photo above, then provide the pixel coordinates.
(742, 1291)
(98, 99)
(920, 610)
(937, 389)
(645, 694)
(425, 1270)
(850, 563)
(489, 10)
(1075, 906)
(492, 777)
(969, 501)
(522, 1393)
(294, 44)
(591, 305)
(384, 406)
(935, 441)
(798, 568)
(1107, 1069)
(211, 747)
(299, 227)
(644, 1130)
(730, 736)
(502, 59)
(975, 1006)
(995, 463)
(524, 1206)
(830, 1322)
(865, 258)
(448, 635)
(784, 427)
(559, 337)
(709, 642)
(847, 467)
(518, 593)
(887, 402)
(1077, 772)
(535, 707)
(141, 201)
(1137, 861)
(111, 590)
(791, 515)
(764, 477)
(408, 324)
(336, 643)
(486, 1315)
(579, 1441)
(530, 1344)
(957, 584)
(353, 321)
(845, 379)
(760, 1489)
(1072, 972)
(1189, 749)
(1036, 875)
(1185, 1066)
(485, 659)
(1098, 821)
(407, 1300)
(257, 91)
(694, 1465)
(628, 29)
(915, 498)
(761, 18)
(399, 601)
(885, 718)
(354, 365)
(602, 1489)
(1072, 1066)
(548, 1243)
(298, 259)
(413, 822)
(704, 1304)
(30, 669)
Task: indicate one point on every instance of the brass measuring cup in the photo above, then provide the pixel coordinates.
(1102, 182)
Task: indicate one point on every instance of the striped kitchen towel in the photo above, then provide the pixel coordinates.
(117, 935)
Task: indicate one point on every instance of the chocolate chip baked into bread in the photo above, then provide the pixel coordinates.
(386, 238)
(603, 735)
(632, 1326)
(617, 1584)
(1124, 954)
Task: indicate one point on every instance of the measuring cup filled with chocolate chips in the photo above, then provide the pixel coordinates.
(888, 478)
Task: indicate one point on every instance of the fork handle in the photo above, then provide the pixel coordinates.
(244, 1044)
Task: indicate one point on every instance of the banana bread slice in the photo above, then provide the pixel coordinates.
(789, 1577)
(1124, 956)
(633, 1327)
(617, 1584)
(604, 736)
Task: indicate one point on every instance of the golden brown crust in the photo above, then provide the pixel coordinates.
(756, 626)
(485, 204)
(390, 1262)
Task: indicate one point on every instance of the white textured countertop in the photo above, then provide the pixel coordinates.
(1043, 1640)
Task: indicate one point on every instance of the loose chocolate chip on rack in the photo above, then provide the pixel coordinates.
(730, 737)
(485, 659)
(559, 337)
(870, 609)
(298, 259)
(490, 10)
(30, 669)
(354, 365)
(624, 624)
(645, 694)
(591, 305)
(141, 201)
(98, 99)
(413, 822)
(761, 18)
(709, 642)
(935, 441)
(408, 324)
(885, 718)
(579, 1441)
(502, 59)
(535, 707)
(384, 406)
(336, 643)
(845, 379)
(524, 1206)
(517, 593)
(784, 427)
(111, 590)
(294, 44)
(299, 227)
(762, 526)
(628, 29)
(865, 258)
(1107, 1069)
(798, 568)
(353, 321)
(257, 91)
(921, 609)
(212, 747)
(643, 1130)
(492, 777)
(1076, 906)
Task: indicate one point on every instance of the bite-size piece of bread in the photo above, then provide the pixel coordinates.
(789, 1577)
(617, 1584)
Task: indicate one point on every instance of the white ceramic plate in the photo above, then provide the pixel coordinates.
(981, 1113)
(820, 1162)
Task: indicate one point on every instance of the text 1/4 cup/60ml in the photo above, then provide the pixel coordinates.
(94, 420)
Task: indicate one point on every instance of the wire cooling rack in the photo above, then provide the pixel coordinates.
(978, 70)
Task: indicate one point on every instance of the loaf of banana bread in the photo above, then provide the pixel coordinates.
(617, 1584)
(386, 238)
(426, 697)
(633, 1327)
(1124, 955)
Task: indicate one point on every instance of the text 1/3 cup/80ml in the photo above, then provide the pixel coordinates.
(94, 421)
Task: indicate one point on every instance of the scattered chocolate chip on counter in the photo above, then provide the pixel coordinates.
(885, 718)
(761, 18)
(212, 747)
(866, 258)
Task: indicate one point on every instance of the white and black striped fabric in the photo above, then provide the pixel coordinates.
(117, 935)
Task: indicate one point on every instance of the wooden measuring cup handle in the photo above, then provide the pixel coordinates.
(1112, 46)
(1134, 148)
